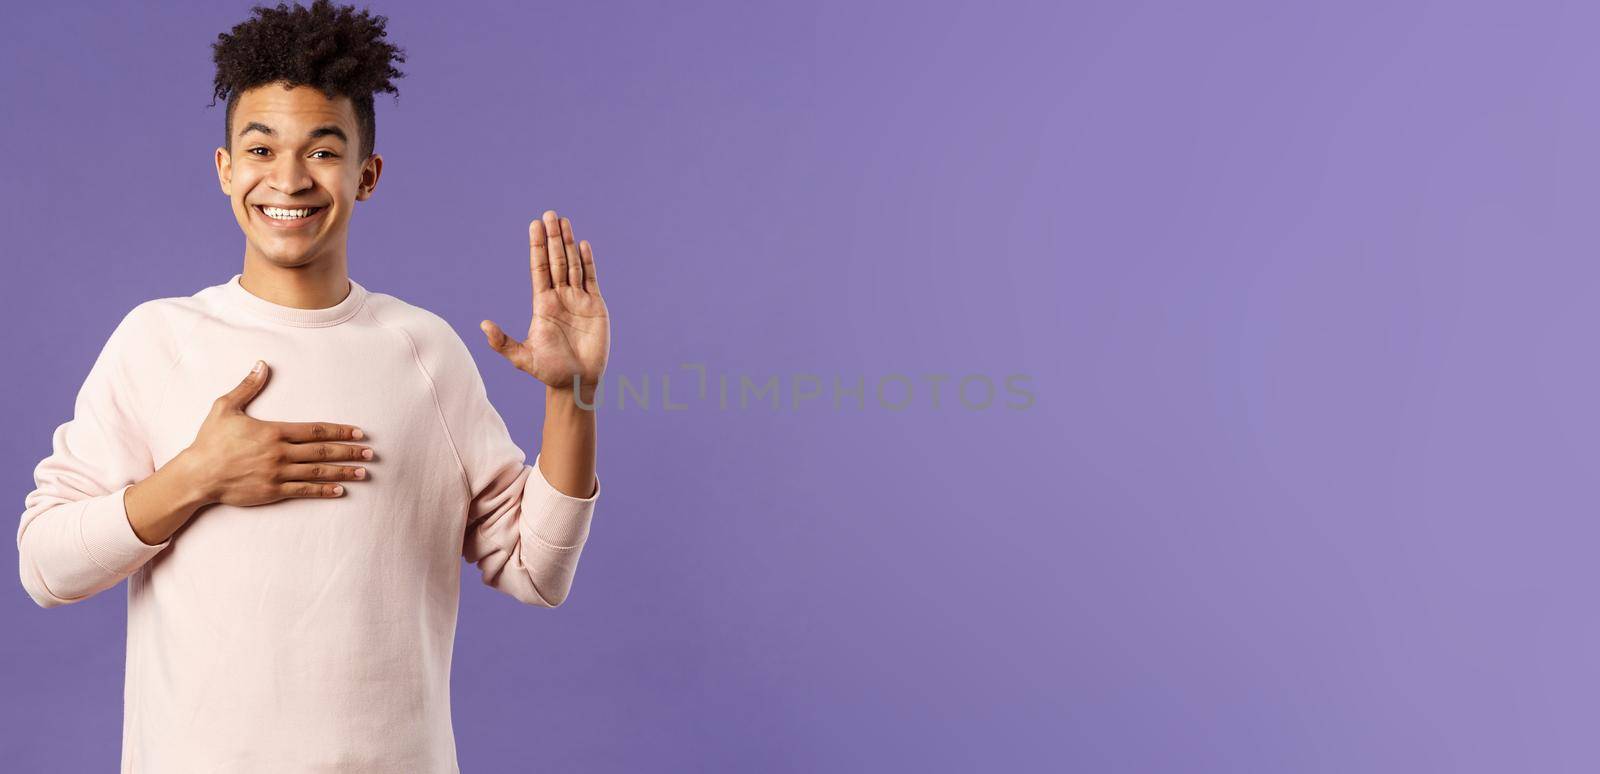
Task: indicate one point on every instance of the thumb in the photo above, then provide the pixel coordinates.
(498, 339)
(247, 389)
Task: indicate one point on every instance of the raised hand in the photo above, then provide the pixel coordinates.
(569, 338)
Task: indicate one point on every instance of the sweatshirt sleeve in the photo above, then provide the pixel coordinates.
(523, 534)
(74, 539)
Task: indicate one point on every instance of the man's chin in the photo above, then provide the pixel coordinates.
(294, 260)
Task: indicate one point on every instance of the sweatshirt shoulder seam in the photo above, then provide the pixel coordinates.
(142, 415)
(433, 392)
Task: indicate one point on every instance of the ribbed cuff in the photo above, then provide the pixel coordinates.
(558, 519)
(109, 538)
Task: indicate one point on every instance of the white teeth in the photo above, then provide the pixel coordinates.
(277, 214)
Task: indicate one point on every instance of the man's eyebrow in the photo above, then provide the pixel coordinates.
(325, 130)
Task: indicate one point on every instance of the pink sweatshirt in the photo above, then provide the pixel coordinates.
(306, 635)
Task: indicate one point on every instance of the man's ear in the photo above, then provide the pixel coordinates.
(370, 172)
(224, 170)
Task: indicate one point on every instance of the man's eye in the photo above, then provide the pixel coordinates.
(331, 154)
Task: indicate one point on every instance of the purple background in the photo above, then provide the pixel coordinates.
(1306, 295)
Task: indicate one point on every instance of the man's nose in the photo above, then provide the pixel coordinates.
(289, 176)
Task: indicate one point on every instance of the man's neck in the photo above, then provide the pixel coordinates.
(316, 285)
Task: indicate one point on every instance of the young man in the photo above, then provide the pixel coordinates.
(292, 535)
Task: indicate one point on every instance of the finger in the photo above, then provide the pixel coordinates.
(301, 432)
(327, 452)
(569, 245)
(558, 254)
(236, 398)
(539, 258)
(308, 489)
(302, 471)
(591, 282)
(498, 340)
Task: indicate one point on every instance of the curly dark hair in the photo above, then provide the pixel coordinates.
(332, 48)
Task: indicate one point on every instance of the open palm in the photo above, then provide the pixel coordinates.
(569, 338)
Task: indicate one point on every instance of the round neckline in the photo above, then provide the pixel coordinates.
(290, 315)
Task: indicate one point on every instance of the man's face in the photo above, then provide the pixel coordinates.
(288, 152)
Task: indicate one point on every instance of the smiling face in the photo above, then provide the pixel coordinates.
(298, 150)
